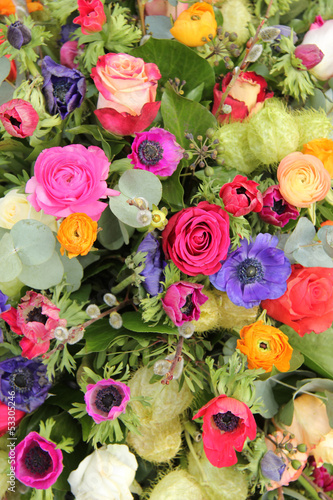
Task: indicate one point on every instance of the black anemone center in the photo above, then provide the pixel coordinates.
(242, 190)
(263, 345)
(107, 398)
(226, 422)
(14, 122)
(36, 315)
(60, 88)
(250, 271)
(188, 306)
(150, 152)
(38, 461)
(279, 207)
(21, 380)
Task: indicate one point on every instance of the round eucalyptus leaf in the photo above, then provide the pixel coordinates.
(73, 271)
(10, 264)
(141, 183)
(45, 275)
(33, 241)
(124, 212)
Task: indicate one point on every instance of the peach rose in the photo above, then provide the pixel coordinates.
(77, 234)
(196, 25)
(322, 149)
(323, 452)
(303, 179)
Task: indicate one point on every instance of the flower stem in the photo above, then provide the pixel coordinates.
(141, 9)
(176, 359)
(195, 456)
(314, 490)
(123, 284)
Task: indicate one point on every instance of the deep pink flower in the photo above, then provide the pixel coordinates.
(106, 399)
(321, 476)
(92, 16)
(241, 196)
(227, 423)
(276, 210)
(197, 239)
(70, 180)
(182, 302)
(36, 318)
(38, 462)
(19, 118)
(156, 151)
(5, 424)
(68, 52)
(310, 55)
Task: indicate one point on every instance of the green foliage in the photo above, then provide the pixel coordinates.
(61, 9)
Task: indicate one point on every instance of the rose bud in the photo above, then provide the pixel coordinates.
(310, 55)
(18, 35)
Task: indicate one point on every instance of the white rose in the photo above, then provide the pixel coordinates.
(14, 207)
(322, 37)
(106, 474)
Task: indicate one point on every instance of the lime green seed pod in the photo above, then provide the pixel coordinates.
(166, 401)
(177, 485)
(236, 16)
(227, 483)
(312, 124)
(272, 133)
(232, 316)
(157, 442)
(237, 154)
(209, 313)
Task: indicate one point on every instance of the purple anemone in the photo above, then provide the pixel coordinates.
(254, 272)
(276, 210)
(154, 265)
(106, 399)
(156, 151)
(3, 307)
(272, 466)
(64, 88)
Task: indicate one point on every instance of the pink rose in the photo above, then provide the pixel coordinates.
(69, 180)
(19, 118)
(127, 87)
(92, 16)
(106, 399)
(182, 302)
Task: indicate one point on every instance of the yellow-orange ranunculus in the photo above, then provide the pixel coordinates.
(322, 149)
(77, 234)
(34, 6)
(265, 347)
(7, 7)
(303, 179)
(196, 25)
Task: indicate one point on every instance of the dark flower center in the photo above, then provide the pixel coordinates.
(60, 88)
(242, 190)
(279, 207)
(188, 306)
(21, 380)
(14, 122)
(263, 345)
(36, 315)
(107, 398)
(38, 461)
(226, 422)
(250, 271)
(150, 152)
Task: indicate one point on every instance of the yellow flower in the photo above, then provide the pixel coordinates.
(77, 234)
(265, 347)
(322, 149)
(195, 26)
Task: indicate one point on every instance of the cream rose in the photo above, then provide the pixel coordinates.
(14, 207)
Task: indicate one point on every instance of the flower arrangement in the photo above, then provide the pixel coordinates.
(166, 250)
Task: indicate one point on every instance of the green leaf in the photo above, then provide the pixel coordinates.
(316, 101)
(175, 60)
(264, 390)
(159, 26)
(196, 94)
(45, 275)
(34, 241)
(98, 336)
(314, 385)
(329, 407)
(4, 68)
(10, 264)
(173, 191)
(73, 271)
(133, 321)
(285, 415)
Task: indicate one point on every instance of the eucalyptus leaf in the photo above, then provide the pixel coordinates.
(33, 240)
(314, 385)
(285, 415)
(313, 255)
(110, 235)
(73, 271)
(325, 235)
(10, 264)
(264, 391)
(43, 276)
(302, 235)
(316, 101)
(159, 26)
(4, 68)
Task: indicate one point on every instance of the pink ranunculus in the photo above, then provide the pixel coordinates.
(245, 98)
(127, 87)
(182, 302)
(241, 196)
(19, 118)
(38, 462)
(197, 239)
(92, 16)
(70, 180)
(106, 399)
(68, 52)
(320, 34)
(36, 318)
(164, 8)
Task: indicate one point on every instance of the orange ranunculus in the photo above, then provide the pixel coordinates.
(265, 347)
(7, 7)
(77, 234)
(322, 149)
(196, 25)
(34, 6)
(303, 179)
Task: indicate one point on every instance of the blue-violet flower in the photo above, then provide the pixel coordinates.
(3, 307)
(272, 466)
(154, 265)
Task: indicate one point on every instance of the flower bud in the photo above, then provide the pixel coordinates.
(115, 320)
(75, 334)
(310, 55)
(93, 311)
(61, 333)
(144, 217)
(18, 35)
(161, 367)
(302, 448)
(179, 366)
(110, 299)
(209, 171)
(158, 219)
(296, 464)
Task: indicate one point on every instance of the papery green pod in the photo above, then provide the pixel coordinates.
(236, 151)
(177, 485)
(209, 313)
(272, 133)
(227, 483)
(312, 124)
(236, 16)
(157, 442)
(166, 400)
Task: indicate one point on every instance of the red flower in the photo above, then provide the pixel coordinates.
(241, 196)
(7, 423)
(307, 305)
(92, 17)
(36, 318)
(227, 423)
(182, 301)
(196, 239)
(19, 118)
(246, 96)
